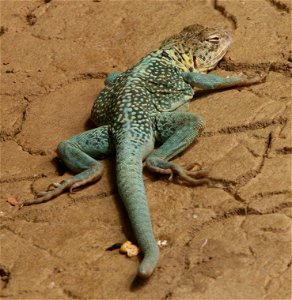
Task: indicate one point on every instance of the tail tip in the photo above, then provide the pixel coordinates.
(145, 273)
(149, 263)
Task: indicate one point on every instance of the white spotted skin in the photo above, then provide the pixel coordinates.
(128, 106)
(152, 86)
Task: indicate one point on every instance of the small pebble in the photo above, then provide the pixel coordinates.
(162, 243)
(52, 285)
(129, 249)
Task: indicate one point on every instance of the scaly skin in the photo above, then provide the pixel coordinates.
(144, 104)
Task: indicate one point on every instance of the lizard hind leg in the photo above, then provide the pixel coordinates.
(77, 153)
(176, 131)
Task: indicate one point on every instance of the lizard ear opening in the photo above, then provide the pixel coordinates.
(195, 61)
(214, 39)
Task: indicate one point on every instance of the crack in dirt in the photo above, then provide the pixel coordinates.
(47, 38)
(33, 16)
(262, 94)
(285, 150)
(272, 278)
(243, 211)
(281, 6)
(5, 276)
(90, 75)
(5, 136)
(93, 197)
(167, 296)
(3, 29)
(29, 150)
(50, 89)
(262, 124)
(222, 10)
(253, 253)
(252, 152)
(245, 178)
(24, 178)
(29, 242)
(70, 294)
(19, 293)
(232, 187)
(278, 208)
(253, 125)
(267, 194)
(265, 67)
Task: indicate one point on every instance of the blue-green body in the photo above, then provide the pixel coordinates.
(129, 106)
(146, 104)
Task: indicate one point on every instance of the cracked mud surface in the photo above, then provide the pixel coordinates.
(230, 242)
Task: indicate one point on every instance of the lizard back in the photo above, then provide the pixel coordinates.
(152, 86)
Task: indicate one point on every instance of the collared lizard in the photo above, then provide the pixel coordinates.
(148, 103)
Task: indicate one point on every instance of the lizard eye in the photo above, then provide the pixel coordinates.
(213, 39)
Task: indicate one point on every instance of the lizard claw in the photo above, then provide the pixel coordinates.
(198, 174)
(191, 166)
(54, 185)
(170, 178)
(263, 77)
(41, 194)
(194, 177)
(72, 189)
(259, 78)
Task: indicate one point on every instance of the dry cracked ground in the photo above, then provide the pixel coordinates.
(232, 241)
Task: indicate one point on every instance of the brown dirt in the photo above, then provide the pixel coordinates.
(229, 242)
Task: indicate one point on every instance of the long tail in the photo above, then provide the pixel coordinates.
(131, 189)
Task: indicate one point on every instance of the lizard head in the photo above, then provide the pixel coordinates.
(197, 48)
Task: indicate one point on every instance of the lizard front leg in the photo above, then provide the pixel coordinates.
(77, 153)
(176, 130)
(212, 82)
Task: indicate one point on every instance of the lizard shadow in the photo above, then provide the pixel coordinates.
(201, 94)
(204, 93)
(89, 124)
(138, 283)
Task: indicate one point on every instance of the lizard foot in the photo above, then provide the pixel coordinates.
(55, 189)
(165, 167)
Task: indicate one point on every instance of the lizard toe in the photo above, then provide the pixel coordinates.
(165, 167)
